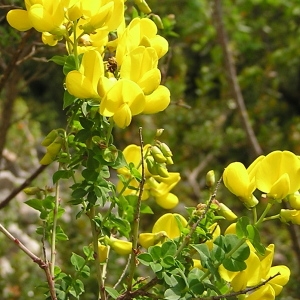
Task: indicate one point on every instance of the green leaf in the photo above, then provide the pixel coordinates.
(254, 237)
(146, 209)
(168, 262)
(241, 227)
(61, 174)
(112, 292)
(68, 99)
(168, 248)
(35, 204)
(169, 280)
(204, 253)
(145, 259)
(70, 64)
(79, 193)
(88, 252)
(173, 294)
(234, 265)
(59, 59)
(120, 161)
(77, 261)
(85, 272)
(156, 267)
(60, 235)
(155, 252)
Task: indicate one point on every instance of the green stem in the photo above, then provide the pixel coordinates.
(261, 219)
(53, 236)
(109, 131)
(272, 217)
(99, 273)
(254, 215)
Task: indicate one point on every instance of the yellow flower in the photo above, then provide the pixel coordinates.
(277, 174)
(84, 83)
(290, 215)
(121, 247)
(167, 201)
(19, 19)
(170, 224)
(150, 239)
(140, 32)
(236, 178)
(124, 100)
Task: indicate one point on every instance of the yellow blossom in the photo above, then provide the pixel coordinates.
(278, 174)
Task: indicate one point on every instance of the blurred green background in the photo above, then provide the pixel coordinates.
(202, 124)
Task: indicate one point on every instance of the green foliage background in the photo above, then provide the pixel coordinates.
(202, 125)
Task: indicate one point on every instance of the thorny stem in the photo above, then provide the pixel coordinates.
(95, 234)
(53, 236)
(42, 264)
(194, 227)
(246, 290)
(136, 222)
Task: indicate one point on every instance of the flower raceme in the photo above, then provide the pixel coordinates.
(276, 175)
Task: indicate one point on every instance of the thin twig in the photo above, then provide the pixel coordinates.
(42, 264)
(244, 291)
(20, 188)
(136, 221)
(232, 78)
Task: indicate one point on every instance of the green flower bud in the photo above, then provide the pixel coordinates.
(32, 190)
(151, 165)
(143, 6)
(162, 170)
(157, 154)
(210, 178)
(169, 161)
(159, 132)
(50, 137)
(54, 148)
(119, 246)
(157, 20)
(46, 160)
(165, 150)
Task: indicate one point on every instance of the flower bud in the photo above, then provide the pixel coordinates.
(157, 154)
(50, 137)
(143, 6)
(165, 150)
(151, 165)
(210, 178)
(157, 20)
(169, 160)
(226, 212)
(119, 246)
(294, 200)
(290, 215)
(150, 239)
(46, 160)
(32, 190)
(54, 148)
(162, 170)
(159, 132)
(102, 252)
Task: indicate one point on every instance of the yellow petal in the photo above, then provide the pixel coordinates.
(236, 179)
(168, 201)
(122, 116)
(157, 101)
(19, 19)
(280, 189)
(280, 280)
(266, 292)
(273, 166)
(168, 223)
(79, 86)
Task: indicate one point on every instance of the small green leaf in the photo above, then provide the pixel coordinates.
(146, 209)
(169, 280)
(172, 294)
(168, 248)
(77, 261)
(241, 227)
(145, 259)
(59, 59)
(233, 265)
(35, 204)
(61, 174)
(68, 99)
(168, 262)
(88, 252)
(156, 267)
(60, 235)
(203, 251)
(112, 292)
(70, 64)
(79, 193)
(155, 252)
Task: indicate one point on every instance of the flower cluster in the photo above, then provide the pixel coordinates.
(275, 175)
(158, 181)
(128, 82)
